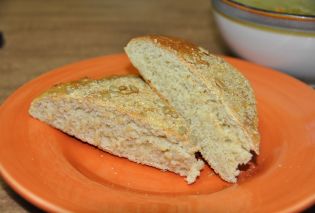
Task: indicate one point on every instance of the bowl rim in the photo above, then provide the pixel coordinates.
(269, 13)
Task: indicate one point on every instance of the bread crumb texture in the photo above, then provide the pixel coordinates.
(123, 116)
(216, 101)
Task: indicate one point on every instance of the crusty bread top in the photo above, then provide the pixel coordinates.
(229, 82)
(127, 94)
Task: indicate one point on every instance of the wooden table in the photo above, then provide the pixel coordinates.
(42, 35)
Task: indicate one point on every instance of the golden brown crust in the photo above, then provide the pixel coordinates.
(177, 44)
(182, 47)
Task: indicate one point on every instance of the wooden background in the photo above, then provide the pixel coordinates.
(41, 35)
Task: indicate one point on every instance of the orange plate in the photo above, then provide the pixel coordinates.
(58, 173)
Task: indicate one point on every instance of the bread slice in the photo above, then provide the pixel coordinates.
(123, 116)
(215, 99)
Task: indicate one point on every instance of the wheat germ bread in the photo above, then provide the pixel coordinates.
(215, 99)
(123, 116)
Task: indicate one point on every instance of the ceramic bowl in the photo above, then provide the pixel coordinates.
(282, 41)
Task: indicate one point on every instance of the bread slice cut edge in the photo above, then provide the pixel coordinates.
(176, 70)
(118, 131)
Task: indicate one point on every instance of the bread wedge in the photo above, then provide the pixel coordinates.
(122, 116)
(215, 99)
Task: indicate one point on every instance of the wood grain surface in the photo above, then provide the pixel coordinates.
(42, 35)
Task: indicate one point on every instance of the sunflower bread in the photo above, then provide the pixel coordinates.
(216, 100)
(123, 116)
